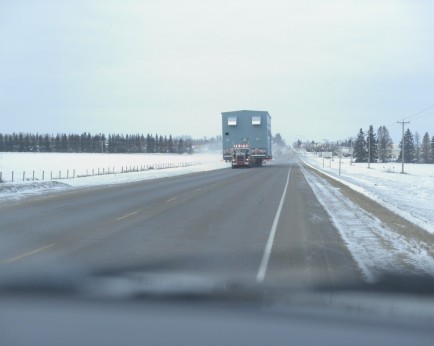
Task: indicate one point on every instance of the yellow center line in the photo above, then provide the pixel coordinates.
(125, 216)
(27, 254)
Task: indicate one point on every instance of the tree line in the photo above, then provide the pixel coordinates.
(94, 143)
(378, 146)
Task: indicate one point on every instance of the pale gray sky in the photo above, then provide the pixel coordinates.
(322, 69)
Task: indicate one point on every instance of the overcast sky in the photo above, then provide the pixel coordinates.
(322, 69)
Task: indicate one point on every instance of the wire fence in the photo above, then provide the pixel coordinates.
(46, 175)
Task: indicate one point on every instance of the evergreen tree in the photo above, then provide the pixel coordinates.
(103, 142)
(180, 146)
(432, 149)
(74, 143)
(17, 142)
(142, 144)
(9, 143)
(157, 144)
(165, 145)
(57, 144)
(161, 144)
(110, 143)
(409, 150)
(150, 144)
(360, 153)
(385, 144)
(170, 145)
(63, 143)
(83, 143)
(277, 139)
(47, 144)
(88, 143)
(371, 142)
(425, 150)
(21, 142)
(38, 143)
(417, 146)
(26, 142)
(189, 146)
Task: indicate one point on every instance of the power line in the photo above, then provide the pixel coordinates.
(421, 116)
(412, 116)
(419, 112)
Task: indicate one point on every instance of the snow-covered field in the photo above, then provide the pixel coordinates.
(40, 172)
(410, 195)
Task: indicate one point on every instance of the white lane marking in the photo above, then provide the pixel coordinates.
(126, 216)
(260, 276)
(171, 200)
(27, 254)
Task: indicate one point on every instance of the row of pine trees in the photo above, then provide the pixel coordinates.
(94, 143)
(378, 146)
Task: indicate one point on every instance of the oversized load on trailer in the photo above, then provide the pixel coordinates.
(246, 137)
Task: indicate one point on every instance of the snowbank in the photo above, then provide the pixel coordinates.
(409, 195)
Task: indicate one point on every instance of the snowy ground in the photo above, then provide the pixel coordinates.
(377, 248)
(410, 195)
(39, 172)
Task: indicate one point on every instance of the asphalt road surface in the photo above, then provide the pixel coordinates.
(261, 225)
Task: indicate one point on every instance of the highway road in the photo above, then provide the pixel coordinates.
(262, 229)
(260, 225)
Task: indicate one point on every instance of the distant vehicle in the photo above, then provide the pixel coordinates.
(246, 137)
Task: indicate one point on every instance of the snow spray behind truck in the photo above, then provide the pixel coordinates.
(246, 137)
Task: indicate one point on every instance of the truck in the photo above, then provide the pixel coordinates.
(246, 138)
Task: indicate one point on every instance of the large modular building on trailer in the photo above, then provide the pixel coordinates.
(246, 137)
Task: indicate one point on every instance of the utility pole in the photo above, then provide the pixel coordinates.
(369, 148)
(402, 143)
